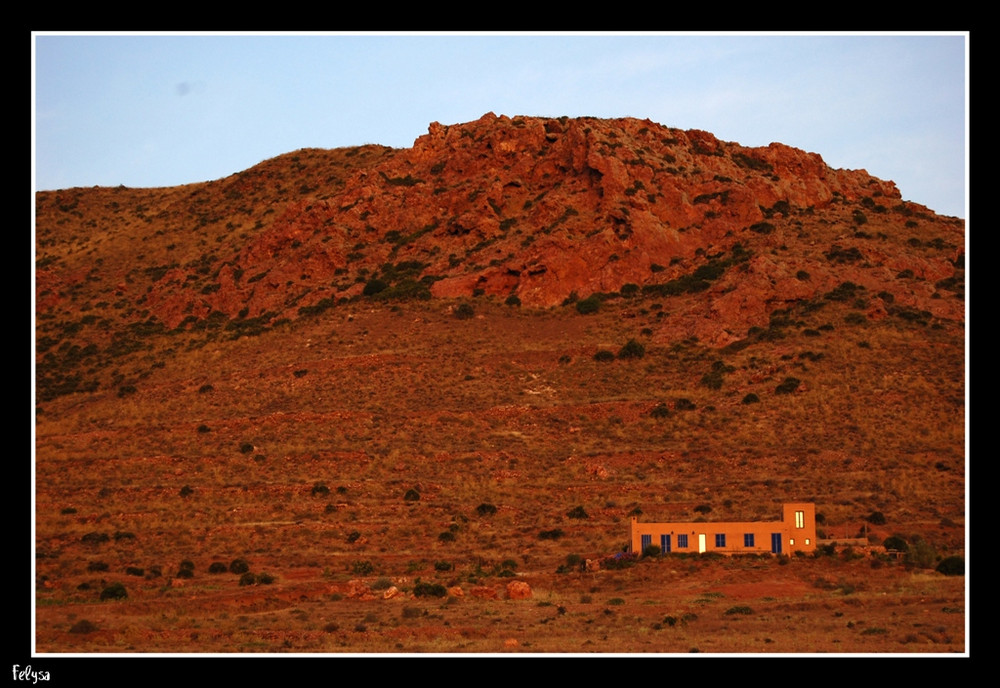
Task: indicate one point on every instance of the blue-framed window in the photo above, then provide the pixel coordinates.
(748, 539)
(682, 541)
(720, 539)
(647, 540)
(664, 544)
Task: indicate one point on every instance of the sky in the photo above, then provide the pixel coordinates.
(148, 110)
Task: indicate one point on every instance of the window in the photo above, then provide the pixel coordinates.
(664, 544)
(807, 541)
(748, 539)
(647, 540)
(682, 541)
(791, 541)
(800, 519)
(720, 539)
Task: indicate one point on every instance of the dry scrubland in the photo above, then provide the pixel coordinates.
(254, 371)
(376, 455)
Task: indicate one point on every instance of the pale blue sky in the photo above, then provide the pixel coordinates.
(162, 110)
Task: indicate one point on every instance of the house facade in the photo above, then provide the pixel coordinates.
(795, 532)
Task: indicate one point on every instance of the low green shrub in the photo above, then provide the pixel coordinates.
(589, 305)
(952, 566)
(788, 386)
(424, 589)
(632, 350)
(115, 591)
(603, 356)
(362, 568)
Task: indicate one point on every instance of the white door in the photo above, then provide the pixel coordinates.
(701, 543)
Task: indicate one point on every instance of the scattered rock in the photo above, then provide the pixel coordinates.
(518, 590)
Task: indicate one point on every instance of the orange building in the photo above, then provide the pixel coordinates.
(795, 532)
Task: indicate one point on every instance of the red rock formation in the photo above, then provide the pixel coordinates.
(548, 210)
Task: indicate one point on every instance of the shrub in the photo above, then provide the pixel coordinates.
(411, 496)
(443, 566)
(921, 554)
(115, 591)
(186, 491)
(374, 286)
(788, 386)
(951, 566)
(513, 300)
(239, 566)
(684, 405)
(95, 566)
(362, 568)
(320, 489)
(651, 551)
(246, 448)
(739, 609)
(486, 509)
(553, 534)
(661, 410)
(134, 571)
(703, 509)
(217, 567)
(412, 612)
(248, 579)
(603, 356)
(632, 350)
(464, 311)
(751, 398)
(577, 512)
(83, 626)
(95, 538)
(424, 589)
(589, 305)
(876, 518)
(895, 542)
(446, 536)
(616, 601)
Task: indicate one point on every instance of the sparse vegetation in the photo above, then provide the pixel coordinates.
(317, 427)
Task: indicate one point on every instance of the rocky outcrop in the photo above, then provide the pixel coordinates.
(543, 211)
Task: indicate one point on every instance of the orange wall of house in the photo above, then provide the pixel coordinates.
(793, 537)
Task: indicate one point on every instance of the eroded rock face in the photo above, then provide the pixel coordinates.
(545, 211)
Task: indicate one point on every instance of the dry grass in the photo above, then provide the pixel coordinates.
(468, 412)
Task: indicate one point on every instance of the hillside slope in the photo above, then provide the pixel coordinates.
(427, 364)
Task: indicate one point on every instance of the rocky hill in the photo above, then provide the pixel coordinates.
(536, 211)
(366, 375)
